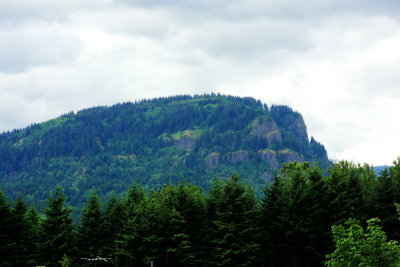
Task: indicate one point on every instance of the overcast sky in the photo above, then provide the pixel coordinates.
(336, 62)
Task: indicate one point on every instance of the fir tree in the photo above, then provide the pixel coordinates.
(235, 232)
(7, 245)
(19, 232)
(91, 231)
(56, 229)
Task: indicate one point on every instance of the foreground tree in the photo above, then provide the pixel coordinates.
(56, 229)
(234, 229)
(354, 247)
(295, 223)
(6, 243)
(91, 230)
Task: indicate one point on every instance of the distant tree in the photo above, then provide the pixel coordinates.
(354, 247)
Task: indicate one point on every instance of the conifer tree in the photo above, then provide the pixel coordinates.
(271, 224)
(113, 225)
(19, 232)
(6, 243)
(91, 231)
(32, 236)
(56, 229)
(386, 192)
(189, 202)
(235, 232)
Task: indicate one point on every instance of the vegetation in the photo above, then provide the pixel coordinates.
(181, 225)
(153, 142)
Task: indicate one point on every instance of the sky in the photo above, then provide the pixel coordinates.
(336, 62)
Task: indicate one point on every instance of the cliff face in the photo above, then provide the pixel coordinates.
(213, 160)
(265, 127)
(237, 156)
(185, 142)
(269, 157)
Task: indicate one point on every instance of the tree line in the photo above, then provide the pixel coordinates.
(181, 225)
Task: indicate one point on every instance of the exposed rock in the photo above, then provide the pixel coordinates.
(237, 156)
(269, 156)
(265, 127)
(299, 129)
(185, 142)
(289, 156)
(131, 157)
(213, 160)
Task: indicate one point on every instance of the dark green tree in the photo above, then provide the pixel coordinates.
(7, 244)
(294, 220)
(91, 230)
(234, 226)
(56, 229)
(19, 232)
(32, 236)
(113, 226)
(188, 200)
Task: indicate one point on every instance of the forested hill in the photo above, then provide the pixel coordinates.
(153, 142)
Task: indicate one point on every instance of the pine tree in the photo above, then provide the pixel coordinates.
(19, 232)
(113, 225)
(294, 220)
(6, 243)
(235, 232)
(91, 231)
(189, 202)
(32, 236)
(56, 229)
(272, 224)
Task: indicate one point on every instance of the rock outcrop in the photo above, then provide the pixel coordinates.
(237, 156)
(265, 127)
(185, 142)
(288, 155)
(269, 157)
(213, 160)
(299, 129)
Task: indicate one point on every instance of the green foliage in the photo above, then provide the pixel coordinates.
(150, 142)
(6, 242)
(182, 225)
(234, 229)
(295, 220)
(92, 229)
(56, 229)
(354, 247)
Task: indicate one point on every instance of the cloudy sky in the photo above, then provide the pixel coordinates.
(336, 62)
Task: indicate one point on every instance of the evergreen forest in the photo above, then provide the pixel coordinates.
(345, 215)
(153, 142)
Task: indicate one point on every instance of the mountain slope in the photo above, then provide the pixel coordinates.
(152, 142)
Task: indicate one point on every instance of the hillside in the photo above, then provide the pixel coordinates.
(153, 142)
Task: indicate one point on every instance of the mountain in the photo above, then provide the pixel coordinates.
(378, 169)
(153, 142)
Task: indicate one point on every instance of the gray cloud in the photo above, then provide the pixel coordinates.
(36, 44)
(334, 61)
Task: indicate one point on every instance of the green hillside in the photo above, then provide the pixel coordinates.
(153, 142)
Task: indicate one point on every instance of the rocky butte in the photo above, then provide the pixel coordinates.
(154, 142)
